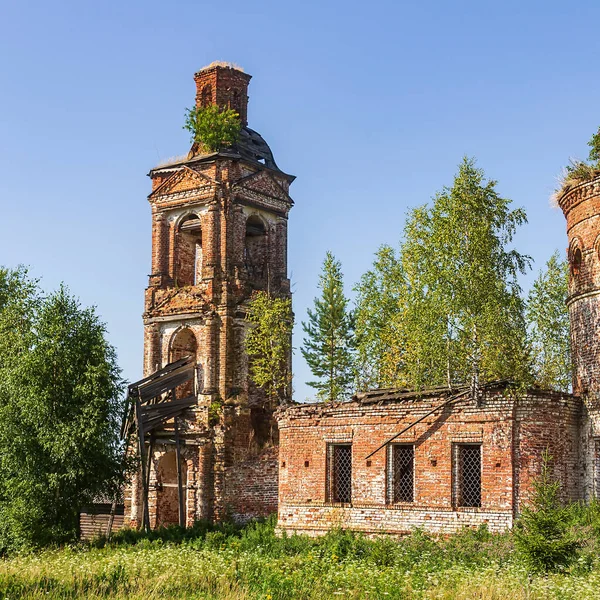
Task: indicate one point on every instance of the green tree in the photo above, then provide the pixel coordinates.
(464, 318)
(269, 344)
(213, 127)
(542, 533)
(59, 413)
(380, 340)
(594, 144)
(549, 326)
(328, 344)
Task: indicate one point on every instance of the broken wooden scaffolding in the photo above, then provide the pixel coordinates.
(151, 402)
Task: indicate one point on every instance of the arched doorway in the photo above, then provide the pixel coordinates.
(167, 498)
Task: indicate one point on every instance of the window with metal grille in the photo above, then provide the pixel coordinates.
(401, 473)
(339, 473)
(467, 474)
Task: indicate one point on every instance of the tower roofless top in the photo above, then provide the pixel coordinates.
(222, 64)
(225, 85)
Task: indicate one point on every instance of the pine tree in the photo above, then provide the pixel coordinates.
(328, 345)
(549, 327)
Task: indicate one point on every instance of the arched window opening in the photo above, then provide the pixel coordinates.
(189, 252)
(255, 248)
(576, 262)
(206, 98)
(184, 344)
(167, 501)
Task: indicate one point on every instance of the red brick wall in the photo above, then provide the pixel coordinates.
(509, 431)
(224, 86)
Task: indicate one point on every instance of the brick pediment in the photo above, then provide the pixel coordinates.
(185, 181)
(173, 301)
(263, 183)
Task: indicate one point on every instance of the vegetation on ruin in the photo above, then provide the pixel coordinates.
(580, 171)
(549, 326)
(212, 127)
(60, 408)
(447, 308)
(221, 562)
(328, 345)
(268, 343)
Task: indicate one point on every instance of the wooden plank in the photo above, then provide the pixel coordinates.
(179, 482)
(142, 447)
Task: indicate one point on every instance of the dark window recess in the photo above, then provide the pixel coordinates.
(339, 473)
(467, 464)
(402, 471)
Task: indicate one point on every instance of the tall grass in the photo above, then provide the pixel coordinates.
(227, 562)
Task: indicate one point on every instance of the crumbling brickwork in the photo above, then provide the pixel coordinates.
(219, 231)
(508, 431)
(581, 207)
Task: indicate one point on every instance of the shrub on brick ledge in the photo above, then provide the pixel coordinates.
(213, 128)
(580, 171)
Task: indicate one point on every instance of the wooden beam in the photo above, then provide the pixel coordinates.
(179, 481)
(142, 448)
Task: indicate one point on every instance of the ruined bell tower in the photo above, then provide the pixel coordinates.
(581, 207)
(219, 232)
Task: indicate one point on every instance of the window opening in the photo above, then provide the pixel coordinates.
(401, 473)
(189, 251)
(184, 344)
(467, 475)
(576, 262)
(339, 473)
(255, 248)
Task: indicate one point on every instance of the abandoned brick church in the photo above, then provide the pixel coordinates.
(383, 461)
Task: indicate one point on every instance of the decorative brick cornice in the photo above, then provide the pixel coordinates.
(579, 193)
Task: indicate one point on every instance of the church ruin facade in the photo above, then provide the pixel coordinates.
(219, 232)
(384, 461)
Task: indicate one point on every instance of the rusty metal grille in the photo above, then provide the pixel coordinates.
(402, 459)
(339, 473)
(467, 462)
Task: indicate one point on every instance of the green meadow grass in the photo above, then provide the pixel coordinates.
(227, 562)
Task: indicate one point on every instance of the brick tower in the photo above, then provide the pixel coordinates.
(581, 207)
(219, 231)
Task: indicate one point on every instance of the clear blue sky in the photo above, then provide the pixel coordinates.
(371, 105)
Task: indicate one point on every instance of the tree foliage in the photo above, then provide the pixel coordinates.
(269, 344)
(580, 170)
(213, 127)
(542, 533)
(549, 326)
(464, 316)
(594, 144)
(328, 343)
(380, 337)
(59, 412)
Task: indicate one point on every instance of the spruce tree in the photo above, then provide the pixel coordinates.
(328, 345)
